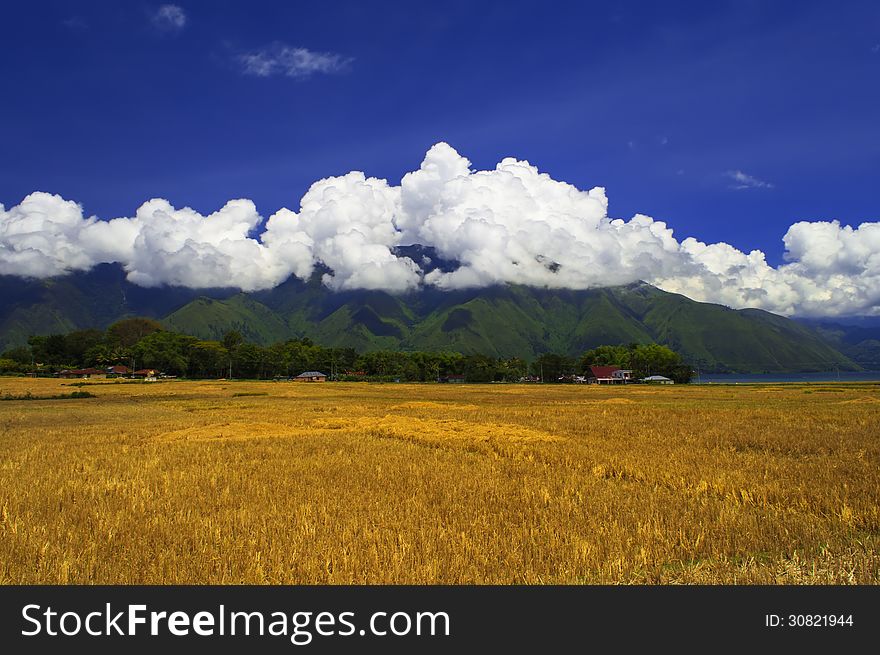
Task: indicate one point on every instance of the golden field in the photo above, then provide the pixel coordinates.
(264, 482)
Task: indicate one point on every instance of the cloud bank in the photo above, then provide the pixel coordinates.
(512, 224)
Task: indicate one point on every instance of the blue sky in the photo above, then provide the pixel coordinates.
(109, 104)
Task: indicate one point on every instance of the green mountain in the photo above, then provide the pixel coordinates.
(94, 299)
(209, 318)
(858, 338)
(501, 321)
(521, 321)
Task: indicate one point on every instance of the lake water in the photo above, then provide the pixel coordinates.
(827, 376)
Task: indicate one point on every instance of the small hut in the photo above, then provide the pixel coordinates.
(311, 376)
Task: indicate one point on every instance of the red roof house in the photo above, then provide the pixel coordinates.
(146, 373)
(603, 374)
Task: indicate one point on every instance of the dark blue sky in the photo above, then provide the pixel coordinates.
(658, 102)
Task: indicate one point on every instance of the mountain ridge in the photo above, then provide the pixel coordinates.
(503, 320)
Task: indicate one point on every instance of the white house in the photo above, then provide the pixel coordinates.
(622, 375)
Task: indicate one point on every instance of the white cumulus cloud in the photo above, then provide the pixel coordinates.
(515, 224)
(511, 224)
(181, 247)
(41, 237)
(349, 224)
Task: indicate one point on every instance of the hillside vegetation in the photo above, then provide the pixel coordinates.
(505, 321)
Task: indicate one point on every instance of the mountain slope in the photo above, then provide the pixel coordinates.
(208, 318)
(503, 321)
(518, 321)
(96, 298)
(858, 339)
(722, 338)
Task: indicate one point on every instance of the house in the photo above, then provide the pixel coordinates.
(310, 376)
(118, 371)
(603, 375)
(452, 379)
(608, 375)
(623, 376)
(148, 374)
(82, 373)
(657, 379)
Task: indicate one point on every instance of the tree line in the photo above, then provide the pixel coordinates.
(145, 343)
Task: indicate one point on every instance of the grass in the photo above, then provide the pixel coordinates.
(110, 381)
(357, 483)
(59, 396)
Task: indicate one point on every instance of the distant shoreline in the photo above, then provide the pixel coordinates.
(781, 378)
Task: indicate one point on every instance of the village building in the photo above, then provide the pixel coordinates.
(311, 376)
(82, 373)
(602, 375)
(657, 379)
(622, 375)
(146, 374)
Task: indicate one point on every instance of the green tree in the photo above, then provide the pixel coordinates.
(232, 340)
(620, 356)
(50, 349)
(78, 344)
(21, 355)
(654, 359)
(10, 366)
(299, 356)
(279, 360)
(451, 363)
(104, 354)
(250, 361)
(208, 359)
(479, 368)
(512, 369)
(427, 365)
(551, 366)
(166, 351)
(127, 332)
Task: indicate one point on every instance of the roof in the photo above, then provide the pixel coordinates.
(657, 378)
(145, 371)
(312, 374)
(603, 371)
(119, 369)
(81, 371)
